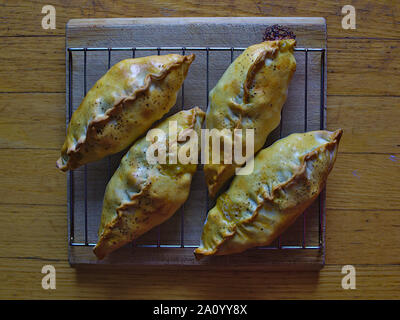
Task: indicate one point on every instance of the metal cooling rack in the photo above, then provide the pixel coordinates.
(182, 50)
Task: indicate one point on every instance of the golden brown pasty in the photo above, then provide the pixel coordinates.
(250, 95)
(257, 208)
(141, 195)
(121, 106)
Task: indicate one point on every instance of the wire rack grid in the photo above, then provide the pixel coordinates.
(71, 183)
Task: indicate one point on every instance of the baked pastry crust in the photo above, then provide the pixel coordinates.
(121, 106)
(141, 195)
(288, 176)
(249, 95)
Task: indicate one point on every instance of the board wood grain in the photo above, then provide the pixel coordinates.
(375, 19)
(367, 181)
(369, 123)
(358, 181)
(32, 120)
(366, 67)
(367, 237)
(44, 71)
(373, 282)
(192, 32)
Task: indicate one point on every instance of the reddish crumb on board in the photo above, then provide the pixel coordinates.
(277, 32)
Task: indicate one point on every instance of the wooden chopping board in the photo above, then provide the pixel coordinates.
(171, 245)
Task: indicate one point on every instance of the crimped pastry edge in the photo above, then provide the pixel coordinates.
(101, 121)
(336, 135)
(101, 251)
(268, 52)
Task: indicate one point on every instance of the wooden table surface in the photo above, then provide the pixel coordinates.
(363, 198)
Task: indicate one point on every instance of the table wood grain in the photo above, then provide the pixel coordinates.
(363, 191)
